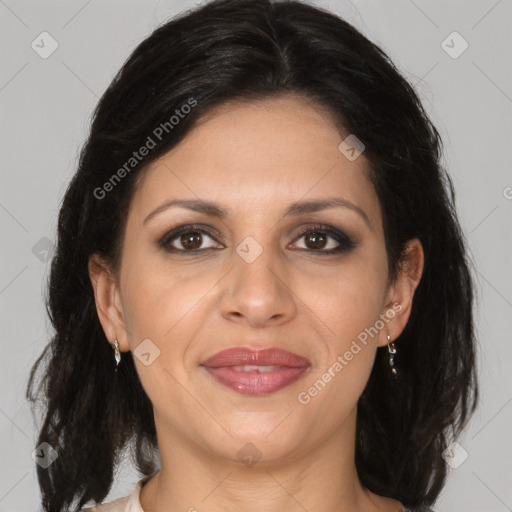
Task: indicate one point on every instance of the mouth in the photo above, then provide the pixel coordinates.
(256, 372)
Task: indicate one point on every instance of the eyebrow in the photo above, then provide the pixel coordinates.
(295, 209)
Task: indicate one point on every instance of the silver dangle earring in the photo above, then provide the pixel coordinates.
(117, 353)
(392, 352)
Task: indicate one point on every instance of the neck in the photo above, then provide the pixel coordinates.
(324, 480)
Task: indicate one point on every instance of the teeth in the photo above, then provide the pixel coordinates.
(251, 368)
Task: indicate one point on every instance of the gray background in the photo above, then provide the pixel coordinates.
(46, 106)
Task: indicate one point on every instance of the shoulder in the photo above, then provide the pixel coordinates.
(119, 505)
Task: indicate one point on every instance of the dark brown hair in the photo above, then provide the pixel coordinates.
(249, 50)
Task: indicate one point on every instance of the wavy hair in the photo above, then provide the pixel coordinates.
(248, 50)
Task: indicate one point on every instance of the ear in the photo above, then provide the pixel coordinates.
(401, 292)
(108, 302)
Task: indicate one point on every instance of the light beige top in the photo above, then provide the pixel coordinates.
(130, 503)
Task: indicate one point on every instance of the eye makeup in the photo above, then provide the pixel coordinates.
(344, 242)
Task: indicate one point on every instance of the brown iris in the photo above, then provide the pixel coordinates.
(315, 240)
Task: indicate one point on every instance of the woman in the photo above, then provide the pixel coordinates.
(260, 277)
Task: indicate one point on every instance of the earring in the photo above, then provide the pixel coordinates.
(117, 353)
(392, 352)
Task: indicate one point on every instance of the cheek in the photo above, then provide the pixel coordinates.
(349, 307)
(348, 300)
(158, 299)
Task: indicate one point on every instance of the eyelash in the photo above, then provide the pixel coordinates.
(345, 242)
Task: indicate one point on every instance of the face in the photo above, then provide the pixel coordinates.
(312, 282)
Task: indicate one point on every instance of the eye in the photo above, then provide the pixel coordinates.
(189, 237)
(316, 240)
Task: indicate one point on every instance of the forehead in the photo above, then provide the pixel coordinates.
(257, 157)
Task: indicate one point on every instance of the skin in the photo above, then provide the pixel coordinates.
(255, 159)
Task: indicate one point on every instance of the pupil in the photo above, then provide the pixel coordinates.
(317, 239)
(187, 240)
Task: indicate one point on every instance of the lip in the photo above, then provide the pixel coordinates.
(225, 368)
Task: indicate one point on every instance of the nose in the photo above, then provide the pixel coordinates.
(259, 292)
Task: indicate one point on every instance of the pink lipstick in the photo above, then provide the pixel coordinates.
(256, 372)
